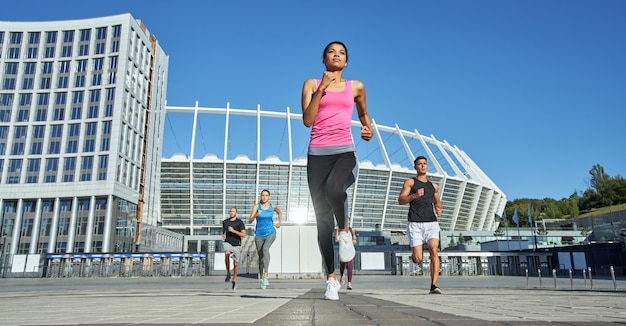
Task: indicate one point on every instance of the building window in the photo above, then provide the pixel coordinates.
(33, 170)
(62, 82)
(41, 115)
(68, 36)
(64, 67)
(51, 37)
(59, 114)
(74, 130)
(15, 169)
(100, 46)
(36, 148)
(46, 67)
(86, 168)
(69, 167)
(52, 166)
(96, 79)
(56, 131)
(115, 46)
(18, 149)
(28, 83)
(14, 53)
(20, 132)
(103, 164)
(33, 37)
(83, 50)
(55, 147)
(32, 53)
(49, 52)
(79, 81)
(45, 83)
(76, 113)
(72, 146)
(30, 68)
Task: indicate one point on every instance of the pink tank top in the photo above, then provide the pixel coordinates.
(332, 122)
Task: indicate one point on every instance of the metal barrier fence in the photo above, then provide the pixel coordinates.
(124, 265)
(204, 264)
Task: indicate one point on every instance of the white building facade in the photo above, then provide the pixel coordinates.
(82, 109)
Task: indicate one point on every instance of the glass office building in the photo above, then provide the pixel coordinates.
(82, 109)
(236, 153)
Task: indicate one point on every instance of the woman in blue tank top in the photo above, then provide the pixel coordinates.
(265, 233)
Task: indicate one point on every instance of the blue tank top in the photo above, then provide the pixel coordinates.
(265, 221)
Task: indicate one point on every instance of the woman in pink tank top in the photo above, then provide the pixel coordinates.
(327, 107)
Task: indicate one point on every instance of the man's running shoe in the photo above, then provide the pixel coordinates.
(234, 286)
(332, 289)
(346, 247)
(227, 279)
(435, 290)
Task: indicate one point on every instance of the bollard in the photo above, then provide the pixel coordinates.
(539, 273)
(554, 277)
(526, 277)
(590, 278)
(613, 277)
(585, 277)
(571, 280)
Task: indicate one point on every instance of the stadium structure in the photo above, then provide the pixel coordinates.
(236, 153)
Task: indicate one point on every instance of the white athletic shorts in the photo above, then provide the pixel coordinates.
(235, 252)
(420, 232)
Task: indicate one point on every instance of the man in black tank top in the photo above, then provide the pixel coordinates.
(422, 227)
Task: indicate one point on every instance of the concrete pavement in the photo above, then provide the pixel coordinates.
(375, 300)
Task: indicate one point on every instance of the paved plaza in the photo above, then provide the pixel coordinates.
(375, 300)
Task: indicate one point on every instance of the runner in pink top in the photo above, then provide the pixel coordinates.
(332, 122)
(327, 107)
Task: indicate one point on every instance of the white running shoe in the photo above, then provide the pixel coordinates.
(346, 247)
(332, 289)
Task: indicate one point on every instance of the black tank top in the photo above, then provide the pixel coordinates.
(422, 209)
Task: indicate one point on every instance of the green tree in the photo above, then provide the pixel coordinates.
(602, 184)
(573, 205)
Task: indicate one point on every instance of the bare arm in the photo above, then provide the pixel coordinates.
(253, 214)
(361, 107)
(405, 197)
(280, 216)
(311, 96)
(437, 201)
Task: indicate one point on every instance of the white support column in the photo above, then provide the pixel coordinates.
(34, 237)
(17, 226)
(191, 156)
(107, 235)
(90, 222)
(71, 233)
(224, 181)
(383, 149)
(290, 169)
(258, 147)
(52, 244)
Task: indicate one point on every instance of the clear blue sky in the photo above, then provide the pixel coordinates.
(533, 91)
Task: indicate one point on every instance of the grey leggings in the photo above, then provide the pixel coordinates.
(263, 245)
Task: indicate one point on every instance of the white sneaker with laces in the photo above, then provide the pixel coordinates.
(332, 289)
(346, 247)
